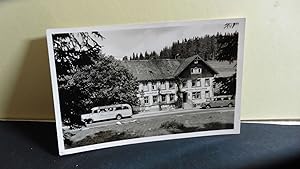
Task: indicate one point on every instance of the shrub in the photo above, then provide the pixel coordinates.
(218, 125)
(172, 125)
(104, 136)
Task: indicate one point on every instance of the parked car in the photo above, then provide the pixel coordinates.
(107, 112)
(219, 101)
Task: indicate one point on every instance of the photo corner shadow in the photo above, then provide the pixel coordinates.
(31, 97)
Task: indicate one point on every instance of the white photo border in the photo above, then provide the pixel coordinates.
(58, 119)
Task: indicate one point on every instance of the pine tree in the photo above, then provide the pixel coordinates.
(141, 57)
(228, 47)
(125, 58)
(209, 47)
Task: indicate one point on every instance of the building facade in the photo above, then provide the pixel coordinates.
(164, 83)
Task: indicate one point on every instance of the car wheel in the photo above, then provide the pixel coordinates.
(119, 117)
(85, 122)
(207, 106)
(230, 105)
(90, 121)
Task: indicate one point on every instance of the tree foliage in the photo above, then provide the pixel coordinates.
(87, 78)
(227, 47)
(105, 82)
(221, 47)
(226, 85)
(227, 51)
(72, 50)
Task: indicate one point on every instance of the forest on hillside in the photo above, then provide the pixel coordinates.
(221, 47)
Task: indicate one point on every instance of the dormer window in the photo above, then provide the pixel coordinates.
(163, 85)
(171, 85)
(145, 87)
(154, 86)
(196, 70)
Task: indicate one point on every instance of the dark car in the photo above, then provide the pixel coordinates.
(219, 101)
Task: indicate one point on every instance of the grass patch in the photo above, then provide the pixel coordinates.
(177, 127)
(100, 137)
(172, 125)
(161, 128)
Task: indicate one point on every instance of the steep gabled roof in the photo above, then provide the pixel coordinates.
(184, 63)
(159, 69)
(152, 69)
(209, 66)
(224, 68)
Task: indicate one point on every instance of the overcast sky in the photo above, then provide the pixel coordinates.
(119, 43)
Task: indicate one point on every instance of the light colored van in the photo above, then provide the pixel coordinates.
(107, 112)
(219, 101)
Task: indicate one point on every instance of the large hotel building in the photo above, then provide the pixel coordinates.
(162, 81)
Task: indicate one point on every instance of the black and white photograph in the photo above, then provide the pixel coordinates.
(128, 84)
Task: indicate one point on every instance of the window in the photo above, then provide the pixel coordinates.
(184, 84)
(198, 82)
(196, 70)
(207, 82)
(163, 85)
(207, 94)
(163, 98)
(145, 86)
(171, 85)
(118, 108)
(196, 95)
(146, 100)
(154, 86)
(194, 83)
(199, 95)
(172, 97)
(154, 99)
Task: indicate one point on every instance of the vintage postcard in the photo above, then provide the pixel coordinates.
(128, 84)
